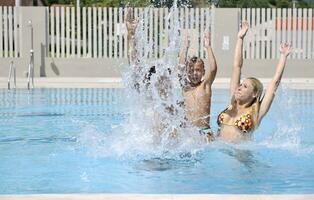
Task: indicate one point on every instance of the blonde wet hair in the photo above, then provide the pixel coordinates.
(258, 90)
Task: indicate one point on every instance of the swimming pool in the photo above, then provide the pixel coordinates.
(67, 141)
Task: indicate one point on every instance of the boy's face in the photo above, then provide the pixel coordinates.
(195, 73)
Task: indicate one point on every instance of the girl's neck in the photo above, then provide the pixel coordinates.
(241, 106)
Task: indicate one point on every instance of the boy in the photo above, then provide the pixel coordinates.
(197, 86)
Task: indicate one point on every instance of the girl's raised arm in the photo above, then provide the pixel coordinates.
(285, 49)
(238, 59)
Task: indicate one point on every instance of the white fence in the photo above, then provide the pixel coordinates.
(270, 27)
(100, 32)
(91, 32)
(91, 42)
(9, 32)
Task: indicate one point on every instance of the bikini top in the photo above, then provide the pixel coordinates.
(244, 123)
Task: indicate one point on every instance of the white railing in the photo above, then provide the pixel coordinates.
(9, 32)
(97, 32)
(12, 69)
(100, 32)
(270, 27)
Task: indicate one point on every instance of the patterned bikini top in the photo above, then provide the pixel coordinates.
(244, 123)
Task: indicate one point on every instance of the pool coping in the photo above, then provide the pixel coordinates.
(116, 82)
(156, 197)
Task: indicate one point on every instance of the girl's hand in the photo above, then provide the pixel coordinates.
(207, 42)
(243, 30)
(285, 49)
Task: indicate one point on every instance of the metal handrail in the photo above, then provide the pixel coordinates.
(31, 62)
(30, 74)
(10, 74)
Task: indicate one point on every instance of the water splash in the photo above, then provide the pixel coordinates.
(288, 128)
(153, 128)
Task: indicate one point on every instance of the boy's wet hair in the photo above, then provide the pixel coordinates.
(151, 71)
(193, 61)
(146, 81)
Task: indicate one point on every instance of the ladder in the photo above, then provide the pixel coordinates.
(30, 75)
(12, 67)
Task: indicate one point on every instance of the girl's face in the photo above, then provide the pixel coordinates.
(245, 92)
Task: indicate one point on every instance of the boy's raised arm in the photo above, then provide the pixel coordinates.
(184, 48)
(210, 73)
(131, 25)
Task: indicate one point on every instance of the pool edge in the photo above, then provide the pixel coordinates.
(116, 82)
(156, 196)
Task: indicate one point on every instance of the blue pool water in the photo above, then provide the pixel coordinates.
(70, 141)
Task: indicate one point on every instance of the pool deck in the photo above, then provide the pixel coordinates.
(152, 196)
(114, 82)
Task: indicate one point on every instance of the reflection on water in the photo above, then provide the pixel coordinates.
(184, 160)
(38, 140)
(245, 157)
(155, 165)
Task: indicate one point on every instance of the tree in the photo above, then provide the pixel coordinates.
(61, 2)
(244, 3)
(169, 3)
(283, 3)
(190, 3)
(303, 4)
(200, 3)
(253, 4)
(104, 3)
(227, 3)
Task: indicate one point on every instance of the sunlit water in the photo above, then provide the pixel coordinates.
(76, 141)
